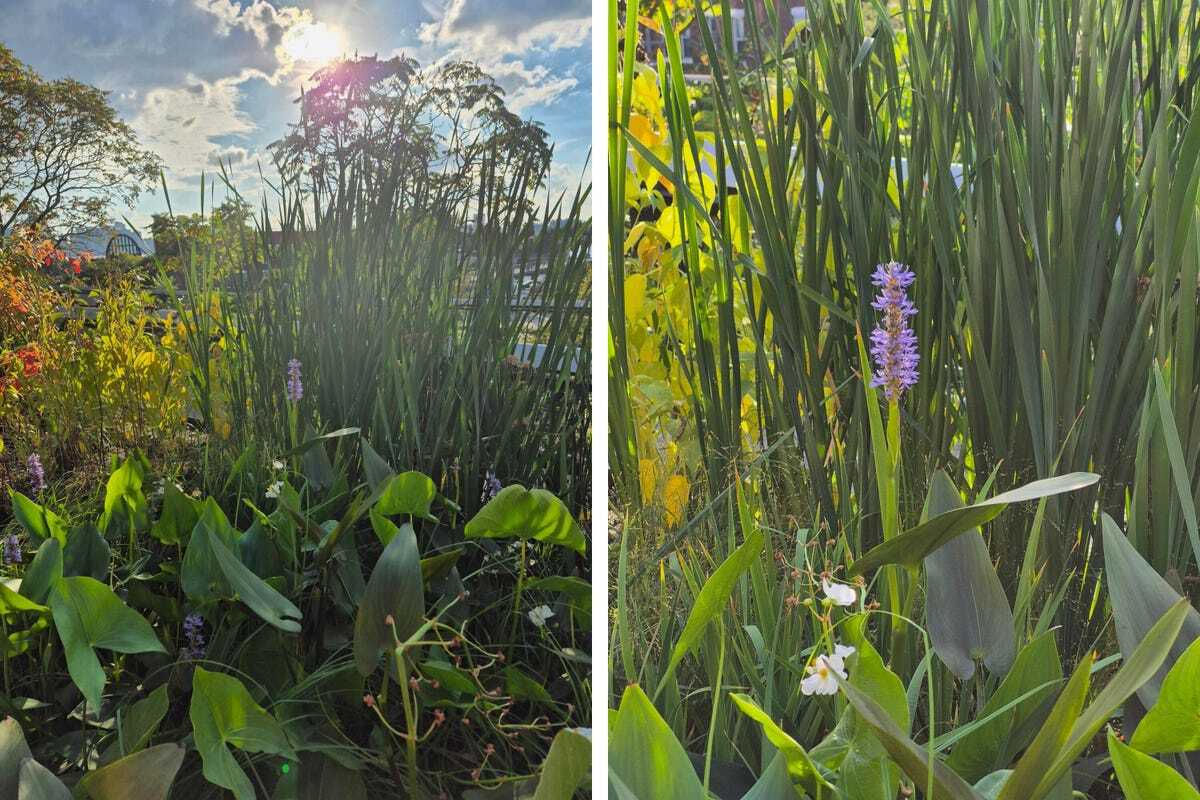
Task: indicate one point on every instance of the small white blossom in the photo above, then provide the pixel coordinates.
(839, 593)
(277, 465)
(273, 489)
(539, 615)
(821, 673)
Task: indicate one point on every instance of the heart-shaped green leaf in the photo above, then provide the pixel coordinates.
(1172, 725)
(88, 615)
(968, 616)
(146, 774)
(211, 568)
(224, 715)
(1144, 777)
(45, 570)
(520, 513)
(1139, 598)
(408, 493)
(992, 745)
(38, 521)
(35, 782)
(177, 518)
(13, 751)
(566, 766)
(911, 547)
(644, 754)
(395, 588)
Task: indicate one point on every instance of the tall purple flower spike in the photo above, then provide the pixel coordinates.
(12, 549)
(893, 343)
(37, 475)
(295, 389)
(193, 630)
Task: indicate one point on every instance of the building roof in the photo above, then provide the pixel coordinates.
(97, 240)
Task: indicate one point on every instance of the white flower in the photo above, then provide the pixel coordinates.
(539, 615)
(273, 489)
(839, 593)
(821, 673)
(277, 465)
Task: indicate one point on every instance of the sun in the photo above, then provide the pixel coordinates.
(313, 43)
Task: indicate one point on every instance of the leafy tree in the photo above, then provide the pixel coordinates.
(411, 135)
(65, 156)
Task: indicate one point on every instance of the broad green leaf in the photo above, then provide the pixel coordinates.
(803, 771)
(409, 493)
(439, 566)
(521, 686)
(1140, 597)
(86, 553)
(322, 777)
(990, 785)
(385, 529)
(911, 547)
(13, 751)
(910, 756)
(566, 767)
(35, 782)
(992, 745)
(177, 518)
(713, 597)
(376, 469)
(1172, 725)
(38, 521)
(45, 570)
(137, 724)
(645, 756)
(210, 568)
(1144, 777)
(866, 771)
(88, 615)
(774, 784)
(1050, 738)
(968, 615)
(520, 513)
(146, 775)
(1136, 670)
(395, 588)
(449, 676)
(12, 603)
(125, 506)
(224, 715)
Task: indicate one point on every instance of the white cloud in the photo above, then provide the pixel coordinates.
(527, 86)
(507, 26)
(181, 123)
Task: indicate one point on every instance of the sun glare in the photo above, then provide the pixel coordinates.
(314, 43)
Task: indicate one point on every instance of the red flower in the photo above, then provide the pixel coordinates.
(75, 265)
(31, 360)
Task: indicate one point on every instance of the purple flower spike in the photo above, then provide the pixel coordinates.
(12, 549)
(893, 343)
(491, 486)
(295, 389)
(193, 629)
(37, 475)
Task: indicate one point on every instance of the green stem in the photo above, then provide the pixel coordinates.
(410, 719)
(716, 704)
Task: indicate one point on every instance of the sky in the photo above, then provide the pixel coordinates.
(207, 80)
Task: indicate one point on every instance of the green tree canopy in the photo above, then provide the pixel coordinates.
(65, 155)
(429, 134)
